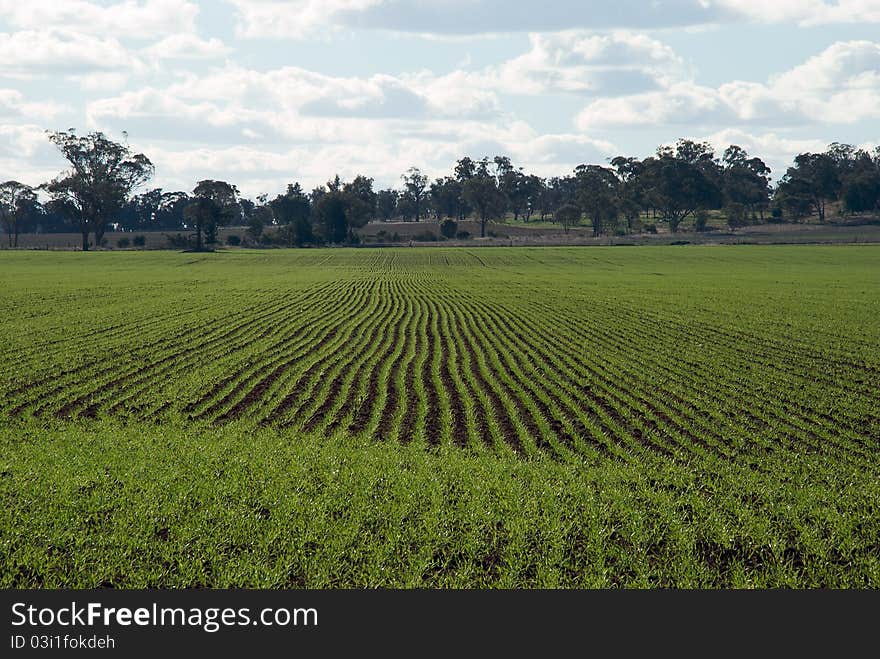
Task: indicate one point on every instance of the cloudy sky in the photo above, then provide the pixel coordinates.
(264, 92)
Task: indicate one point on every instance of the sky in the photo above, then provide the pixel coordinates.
(262, 93)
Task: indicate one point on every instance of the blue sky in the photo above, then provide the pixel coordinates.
(265, 92)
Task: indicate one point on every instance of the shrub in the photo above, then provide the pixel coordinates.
(650, 228)
(395, 237)
(425, 237)
(122, 243)
(448, 228)
(462, 235)
(233, 240)
(139, 241)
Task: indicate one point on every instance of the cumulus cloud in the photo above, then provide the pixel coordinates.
(56, 51)
(14, 105)
(289, 101)
(580, 62)
(300, 18)
(126, 19)
(838, 86)
(187, 46)
(807, 12)
(25, 153)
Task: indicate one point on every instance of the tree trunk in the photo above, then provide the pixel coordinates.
(482, 227)
(199, 238)
(16, 236)
(85, 246)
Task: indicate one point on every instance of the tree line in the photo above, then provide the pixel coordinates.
(678, 185)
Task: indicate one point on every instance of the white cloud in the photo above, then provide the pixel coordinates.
(127, 19)
(101, 81)
(14, 105)
(579, 62)
(56, 51)
(293, 18)
(26, 154)
(187, 46)
(841, 85)
(293, 102)
(807, 12)
(680, 103)
(308, 18)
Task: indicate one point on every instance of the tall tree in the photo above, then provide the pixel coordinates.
(331, 213)
(361, 200)
(482, 194)
(598, 196)
(446, 197)
(386, 203)
(532, 189)
(745, 184)
(103, 174)
(415, 183)
(680, 186)
(812, 182)
(293, 211)
(18, 203)
(213, 204)
(860, 184)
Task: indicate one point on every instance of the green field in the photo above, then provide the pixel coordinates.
(509, 417)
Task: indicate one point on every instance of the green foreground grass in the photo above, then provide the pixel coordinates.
(599, 417)
(122, 507)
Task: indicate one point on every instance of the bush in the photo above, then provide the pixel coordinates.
(122, 243)
(701, 220)
(650, 228)
(139, 241)
(233, 240)
(448, 228)
(395, 237)
(425, 237)
(462, 235)
(776, 215)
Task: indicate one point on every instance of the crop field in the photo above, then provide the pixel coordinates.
(691, 416)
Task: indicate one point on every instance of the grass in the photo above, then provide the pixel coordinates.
(639, 417)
